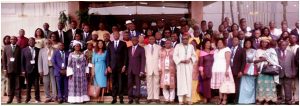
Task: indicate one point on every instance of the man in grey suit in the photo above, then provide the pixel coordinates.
(45, 67)
(288, 73)
(46, 30)
(12, 70)
(29, 59)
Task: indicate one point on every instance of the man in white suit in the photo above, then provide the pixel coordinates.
(45, 67)
(152, 72)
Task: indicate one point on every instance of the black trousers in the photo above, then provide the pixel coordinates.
(14, 86)
(32, 79)
(234, 98)
(117, 85)
(134, 80)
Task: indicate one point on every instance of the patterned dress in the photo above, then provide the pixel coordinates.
(266, 86)
(77, 67)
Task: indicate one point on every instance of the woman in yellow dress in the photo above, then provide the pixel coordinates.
(195, 95)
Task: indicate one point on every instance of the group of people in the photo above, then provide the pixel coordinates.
(188, 63)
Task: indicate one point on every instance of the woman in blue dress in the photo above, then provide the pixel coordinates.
(247, 87)
(99, 61)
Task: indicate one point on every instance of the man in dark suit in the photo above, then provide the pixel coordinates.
(238, 61)
(71, 32)
(174, 40)
(116, 61)
(62, 35)
(132, 31)
(60, 62)
(12, 70)
(136, 68)
(29, 61)
(145, 27)
(173, 27)
(296, 30)
(86, 34)
(158, 39)
(288, 72)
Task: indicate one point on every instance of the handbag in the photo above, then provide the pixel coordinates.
(93, 90)
(251, 69)
(271, 70)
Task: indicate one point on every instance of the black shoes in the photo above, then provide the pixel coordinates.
(121, 101)
(114, 101)
(9, 102)
(137, 101)
(130, 101)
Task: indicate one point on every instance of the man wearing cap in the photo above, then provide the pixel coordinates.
(131, 29)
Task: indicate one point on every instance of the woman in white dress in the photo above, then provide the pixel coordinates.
(222, 78)
(39, 38)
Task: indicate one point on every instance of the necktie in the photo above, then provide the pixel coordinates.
(132, 34)
(231, 57)
(283, 54)
(62, 37)
(86, 35)
(13, 48)
(62, 54)
(152, 49)
(49, 55)
(116, 45)
(133, 50)
(32, 52)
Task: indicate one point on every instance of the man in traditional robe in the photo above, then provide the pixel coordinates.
(184, 57)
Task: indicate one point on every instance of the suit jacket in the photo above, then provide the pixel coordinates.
(70, 33)
(137, 61)
(297, 62)
(47, 33)
(152, 60)
(27, 57)
(144, 31)
(175, 44)
(86, 38)
(137, 33)
(70, 37)
(66, 39)
(239, 61)
(229, 42)
(116, 58)
(43, 62)
(162, 43)
(287, 64)
(57, 61)
(12, 67)
(255, 45)
(175, 30)
(295, 32)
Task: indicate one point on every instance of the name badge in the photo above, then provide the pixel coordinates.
(49, 58)
(32, 62)
(90, 65)
(77, 66)
(62, 65)
(12, 59)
